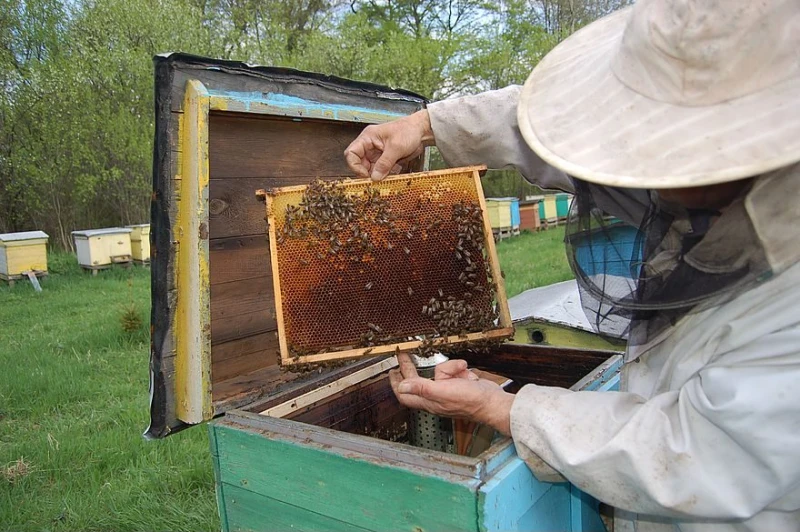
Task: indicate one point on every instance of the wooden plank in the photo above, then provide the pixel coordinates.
(369, 408)
(294, 84)
(245, 146)
(494, 261)
(509, 495)
(234, 209)
(285, 409)
(243, 355)
(223, 513)
(242, 346)
(376, 495)
(584, 512)
(276, 290)
(242, 297)
(414, 458)
(256, 322)
(391, 348)
(245, 388)
(247, 511)
(191, 326)
(238, 258)
(240, 366)
(542, 365)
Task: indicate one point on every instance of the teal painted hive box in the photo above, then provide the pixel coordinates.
(325, 449)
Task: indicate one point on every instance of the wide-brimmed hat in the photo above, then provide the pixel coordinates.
(670, 94)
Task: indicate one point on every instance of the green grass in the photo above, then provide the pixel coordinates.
(73, 406)
(74, 402)
(533, 259)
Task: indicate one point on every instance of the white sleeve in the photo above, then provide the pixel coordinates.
(726, 445)
(482, 129)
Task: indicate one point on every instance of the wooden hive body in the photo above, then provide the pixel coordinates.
(321, 450)
(140, 242)
(21, 252)
(101, 247)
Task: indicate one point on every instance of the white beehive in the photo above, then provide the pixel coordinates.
(97, 248)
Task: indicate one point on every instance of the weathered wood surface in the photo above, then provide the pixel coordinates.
(333, 389)
(247, 511)
(236, 218)
(371, 494)
(247, 147)
(542, 365)
(370, 408)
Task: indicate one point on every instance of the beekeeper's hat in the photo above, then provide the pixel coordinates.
(670, 93)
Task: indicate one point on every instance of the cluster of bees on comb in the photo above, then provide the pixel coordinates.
(404, 247)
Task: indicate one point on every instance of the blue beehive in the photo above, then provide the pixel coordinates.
(611, 250)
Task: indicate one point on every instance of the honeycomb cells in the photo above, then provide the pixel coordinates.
(362, 264)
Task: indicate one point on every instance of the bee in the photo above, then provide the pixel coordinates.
(389, 246)
(304, 262)
(410, 291)
(374, 328)
(368, 286)
(441, 293)
(406, 250)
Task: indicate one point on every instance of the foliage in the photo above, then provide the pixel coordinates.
(76, 98)
(73, 406)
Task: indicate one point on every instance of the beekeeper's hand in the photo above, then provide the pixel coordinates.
(386, 148)
(454, 393)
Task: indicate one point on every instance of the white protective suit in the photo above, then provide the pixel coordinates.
(705, 432)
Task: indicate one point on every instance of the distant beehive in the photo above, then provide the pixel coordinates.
(547, 209)
(499, 210)
(23, 252)
(99, 248)
(529, 213)
(140, 242)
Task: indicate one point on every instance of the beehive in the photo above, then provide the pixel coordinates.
(23, 252)
(99, 248)
(140, 242)
(305, 450)
(547, 208)
(364, 268)
(499, 212)
(529, 215)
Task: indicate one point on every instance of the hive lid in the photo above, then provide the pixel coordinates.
(97, 232)
(223, 130)
(24, 235)
(363, 268)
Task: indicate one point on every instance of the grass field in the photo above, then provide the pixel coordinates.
(74, 402)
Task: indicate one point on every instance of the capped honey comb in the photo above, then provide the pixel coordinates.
(363, 268)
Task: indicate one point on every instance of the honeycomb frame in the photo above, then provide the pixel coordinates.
(348, 278)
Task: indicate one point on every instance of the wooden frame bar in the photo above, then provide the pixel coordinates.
(504, 330)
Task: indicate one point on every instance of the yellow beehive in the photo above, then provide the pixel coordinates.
(550, 210)
(140, 242)
(99, 248)
(499, 210)
(23, 252)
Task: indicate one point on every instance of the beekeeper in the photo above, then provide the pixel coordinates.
(681, 118)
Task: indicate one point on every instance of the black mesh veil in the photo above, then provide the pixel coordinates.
(642, 263)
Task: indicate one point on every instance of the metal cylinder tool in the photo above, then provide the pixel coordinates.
(430, 431)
